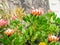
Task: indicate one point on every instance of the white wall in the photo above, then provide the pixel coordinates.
(55, 6)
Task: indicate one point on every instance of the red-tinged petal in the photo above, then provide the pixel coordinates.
(3, 22)
(49, 10)
(13, 17)
(9, 32)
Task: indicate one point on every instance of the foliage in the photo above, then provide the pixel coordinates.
(18, 12)
(34, 30)
(41, 25)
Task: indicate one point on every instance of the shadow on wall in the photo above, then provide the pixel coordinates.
(28, 4)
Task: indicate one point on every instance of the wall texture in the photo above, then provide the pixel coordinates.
(27, 4)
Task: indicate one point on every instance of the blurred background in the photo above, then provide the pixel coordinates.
(26, 4)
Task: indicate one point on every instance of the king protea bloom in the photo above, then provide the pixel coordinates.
(36, 11)
(3, 22)
(9, 32)
(13, 17)
(52, 38)
(50, 10)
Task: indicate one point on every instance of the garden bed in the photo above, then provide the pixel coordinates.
(36, 28)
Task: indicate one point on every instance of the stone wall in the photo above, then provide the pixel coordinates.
(27, 4)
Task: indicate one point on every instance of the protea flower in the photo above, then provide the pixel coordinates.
(36, 11)
(52, 38)
(3, 22)
(13, 17)
(50, 10)
(9, 32)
